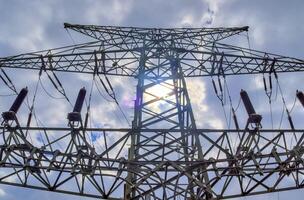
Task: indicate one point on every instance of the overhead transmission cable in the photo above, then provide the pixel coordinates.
(221, 90)
(31, 106)
(7, 81)
(268, 89)
(111, 93)
(33, 113)
(272, 69)
(54, 80)
(88, 117)
(107, 86)
(67, 30)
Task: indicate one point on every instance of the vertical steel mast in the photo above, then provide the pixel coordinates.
(162, 102)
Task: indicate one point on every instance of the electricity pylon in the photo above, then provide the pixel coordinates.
(168, 157)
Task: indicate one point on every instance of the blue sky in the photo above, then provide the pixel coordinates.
(275, 26)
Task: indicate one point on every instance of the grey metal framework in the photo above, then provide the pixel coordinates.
(163, 155)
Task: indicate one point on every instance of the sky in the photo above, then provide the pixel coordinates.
(275, 26)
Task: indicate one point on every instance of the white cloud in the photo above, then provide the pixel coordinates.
(2, 193)
(112, 12)
(187, 20)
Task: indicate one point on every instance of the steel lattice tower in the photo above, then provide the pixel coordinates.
(168, 156)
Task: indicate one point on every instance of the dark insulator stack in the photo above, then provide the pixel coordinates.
(75, 115)
(247, 103)
(80, 100)
(300, 96)
(253, 117)
(10, 115)
(18, 101)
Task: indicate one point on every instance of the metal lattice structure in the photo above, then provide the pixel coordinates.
(168, 157)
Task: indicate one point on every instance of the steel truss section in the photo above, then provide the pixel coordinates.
(108, 56)
(163, 155)
(274, 163)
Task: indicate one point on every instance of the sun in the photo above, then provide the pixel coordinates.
(161, 90)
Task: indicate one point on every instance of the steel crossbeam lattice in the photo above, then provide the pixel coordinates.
(163, 155)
